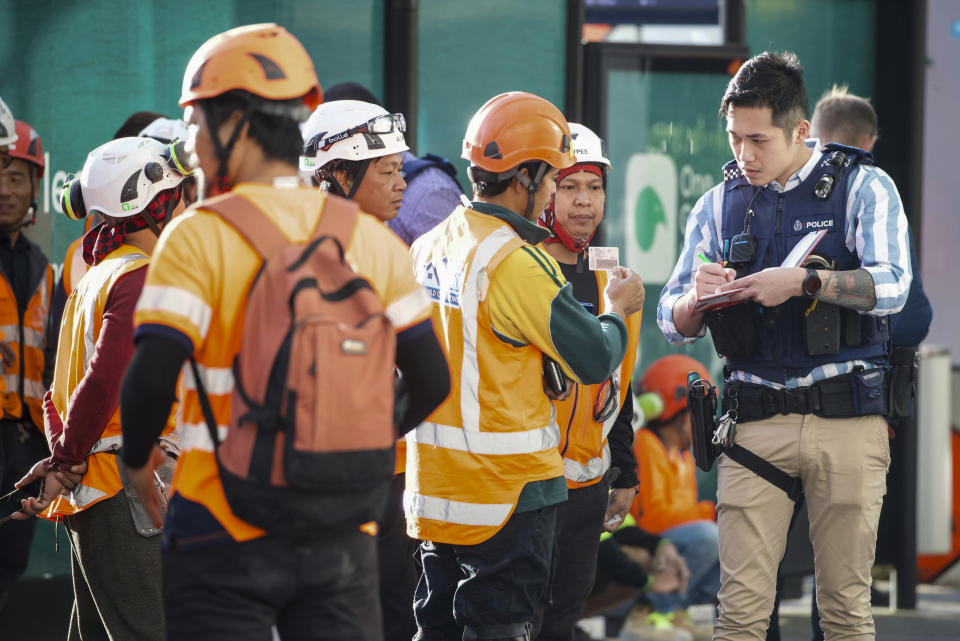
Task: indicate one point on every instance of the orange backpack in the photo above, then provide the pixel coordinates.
(310, 440)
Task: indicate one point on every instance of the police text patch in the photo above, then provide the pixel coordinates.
(804, 225)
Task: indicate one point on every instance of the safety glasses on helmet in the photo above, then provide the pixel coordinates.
(385, 124)
(607, 400)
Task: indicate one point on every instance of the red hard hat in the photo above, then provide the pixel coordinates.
(27, 146)
(667, 377)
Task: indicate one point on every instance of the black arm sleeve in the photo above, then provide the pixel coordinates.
(426, 377)
(620, 440)
(620, 567)
(148, 393)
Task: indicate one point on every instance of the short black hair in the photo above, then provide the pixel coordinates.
(350, 91)
(489, 188)
(277, 135)
(136, 123)
(843, 117)
(773, 80)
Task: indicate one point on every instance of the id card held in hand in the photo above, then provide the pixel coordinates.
(603, 258)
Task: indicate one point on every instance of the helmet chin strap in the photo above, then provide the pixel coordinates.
(167, 213)
(532, 186)
(364, 165)
(336, 188)
(222, 151)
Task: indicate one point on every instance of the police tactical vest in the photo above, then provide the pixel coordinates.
(780, 221)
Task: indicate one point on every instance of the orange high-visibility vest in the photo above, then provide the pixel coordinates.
(496, 432)
(79, 333)
(583, 440)
(23, 381)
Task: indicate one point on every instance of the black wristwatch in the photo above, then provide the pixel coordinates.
(811, 283)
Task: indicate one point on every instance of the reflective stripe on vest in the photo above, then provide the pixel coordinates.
(83, 495)
(218, 381)
(594, 468)
(470, 368)
(90, 304)
(31, 388)
(459, 512)
(454, 438)
(107, 444)
(31, 337)
(196, 436)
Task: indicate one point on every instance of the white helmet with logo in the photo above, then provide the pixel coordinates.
(350, 130)
(587, 146)
(8, 131)
(166, 130)
(122, 177)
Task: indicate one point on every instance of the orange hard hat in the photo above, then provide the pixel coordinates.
(262, 59)
(516, 127)
(27, 146)
(667, 377)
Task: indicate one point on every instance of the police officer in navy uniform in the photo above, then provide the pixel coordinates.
(805, 346)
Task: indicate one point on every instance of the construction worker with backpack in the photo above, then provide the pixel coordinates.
(293, 310)
(596, 435)
(353, 148)
(136, 186)
(484, 475)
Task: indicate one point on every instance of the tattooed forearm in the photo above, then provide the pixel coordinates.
(853, 289)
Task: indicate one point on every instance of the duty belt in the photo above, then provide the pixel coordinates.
(829, 398)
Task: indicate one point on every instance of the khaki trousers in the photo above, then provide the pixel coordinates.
(843, 464)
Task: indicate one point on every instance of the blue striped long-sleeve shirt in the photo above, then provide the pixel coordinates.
(427, 201)
(876, 229)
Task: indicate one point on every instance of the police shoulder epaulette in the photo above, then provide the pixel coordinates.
(852, 155)
(731, 171)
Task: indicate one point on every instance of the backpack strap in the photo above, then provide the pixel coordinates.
(205, 406)
(338, 220)
(249, 220)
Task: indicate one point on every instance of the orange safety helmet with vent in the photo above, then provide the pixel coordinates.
(269, 69)
(667, 377)
(514, 128)
(263, 59)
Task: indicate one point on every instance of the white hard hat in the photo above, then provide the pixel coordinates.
(587, 146)
(122, 177)
(8, 130)
(166, 130)
(350, 130)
